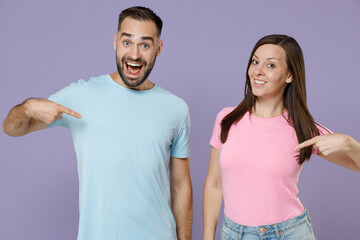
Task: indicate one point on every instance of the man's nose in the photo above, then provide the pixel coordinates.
(135, 52)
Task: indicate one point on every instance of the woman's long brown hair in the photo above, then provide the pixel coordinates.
(294, 95)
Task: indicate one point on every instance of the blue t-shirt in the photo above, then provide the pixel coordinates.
(123, 145)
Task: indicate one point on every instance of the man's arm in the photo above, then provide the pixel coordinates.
(213, 195)
(338, 148)
(32, 115)
(181, 196)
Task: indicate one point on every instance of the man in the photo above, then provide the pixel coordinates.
(127, 133)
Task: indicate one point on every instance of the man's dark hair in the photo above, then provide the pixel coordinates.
(141, 14)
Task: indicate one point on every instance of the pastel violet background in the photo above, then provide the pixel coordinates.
(45, 45)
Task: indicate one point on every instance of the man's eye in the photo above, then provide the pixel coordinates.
(126, 43)
(144, 45)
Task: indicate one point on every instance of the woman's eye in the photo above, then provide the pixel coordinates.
(271, 65)
(254, 62)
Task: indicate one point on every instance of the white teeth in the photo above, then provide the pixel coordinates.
(260, 82)
(134, 64)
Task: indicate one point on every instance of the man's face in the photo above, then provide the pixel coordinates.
(137, 47)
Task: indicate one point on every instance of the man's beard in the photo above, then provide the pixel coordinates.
(132, 82)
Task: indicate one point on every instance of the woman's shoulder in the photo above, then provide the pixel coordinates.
(322, 129)
(225, 111)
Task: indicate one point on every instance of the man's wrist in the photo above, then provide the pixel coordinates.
(27, 106)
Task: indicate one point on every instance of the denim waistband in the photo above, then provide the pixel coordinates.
(268, 229)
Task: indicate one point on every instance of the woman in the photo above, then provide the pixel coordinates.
(255, 159)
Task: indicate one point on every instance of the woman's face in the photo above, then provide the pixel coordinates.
(268, 72)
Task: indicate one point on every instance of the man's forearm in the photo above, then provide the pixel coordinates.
(181, 204)
(17, 122)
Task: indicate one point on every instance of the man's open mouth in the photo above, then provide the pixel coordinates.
(133, 69)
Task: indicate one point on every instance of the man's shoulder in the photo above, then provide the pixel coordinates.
(169, 95)
(79, 87)
(90, 82)
(170, 98)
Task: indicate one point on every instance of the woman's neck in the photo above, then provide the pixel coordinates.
(268, 108)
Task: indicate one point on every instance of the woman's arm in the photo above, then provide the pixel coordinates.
(338, 148)
(212, 196)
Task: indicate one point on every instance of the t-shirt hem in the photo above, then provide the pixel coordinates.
(181, 155)
(215, 146)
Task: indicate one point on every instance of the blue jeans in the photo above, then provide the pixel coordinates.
(298, 228)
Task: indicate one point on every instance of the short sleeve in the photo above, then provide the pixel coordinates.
(215, 138)
(323, 131)
(180, 148)
(64, 97)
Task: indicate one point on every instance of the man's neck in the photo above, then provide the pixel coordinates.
(146, 85)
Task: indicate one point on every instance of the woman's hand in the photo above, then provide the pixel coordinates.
(327, 144)
(338, 148)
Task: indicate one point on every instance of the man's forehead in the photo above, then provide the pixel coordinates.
(134, 27)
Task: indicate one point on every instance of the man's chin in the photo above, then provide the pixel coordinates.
(133, 83)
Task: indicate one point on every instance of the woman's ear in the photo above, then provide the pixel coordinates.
(289, 78)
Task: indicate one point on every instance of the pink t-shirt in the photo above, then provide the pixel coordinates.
(259, 169)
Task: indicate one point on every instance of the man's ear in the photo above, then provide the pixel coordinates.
(159, 48)
(115, 41)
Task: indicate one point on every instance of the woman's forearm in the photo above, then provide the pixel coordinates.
(211, 209)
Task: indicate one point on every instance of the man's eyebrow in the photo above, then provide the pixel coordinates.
(126, 34)
(132, 35)
(148, 38)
